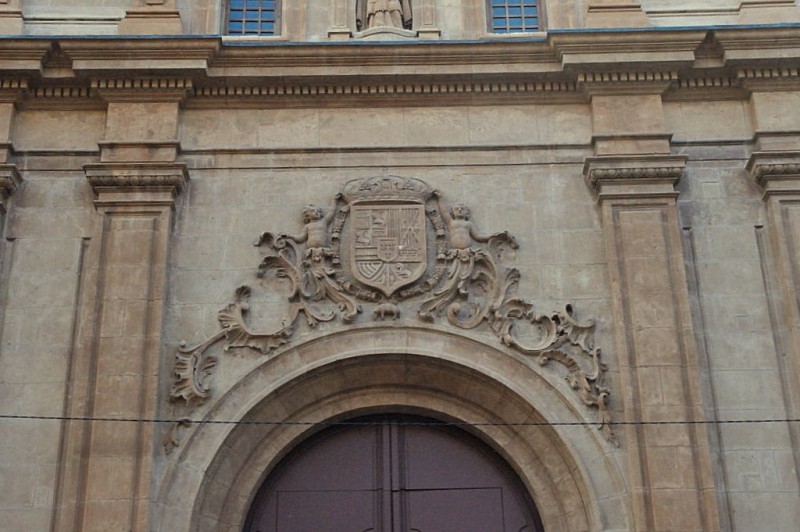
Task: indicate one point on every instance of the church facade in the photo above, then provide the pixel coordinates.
(400, 265)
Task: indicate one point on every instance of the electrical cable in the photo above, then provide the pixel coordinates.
(423, 423)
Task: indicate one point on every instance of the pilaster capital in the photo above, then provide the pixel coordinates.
(776, 172)
(152, 17)
(10, 179)
(634, 176)
(130, 184)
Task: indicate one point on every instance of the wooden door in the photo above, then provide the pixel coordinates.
(393, 474)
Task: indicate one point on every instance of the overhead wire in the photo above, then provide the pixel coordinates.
(436, 423)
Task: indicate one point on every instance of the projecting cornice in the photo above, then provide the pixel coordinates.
(138, 55)
(9, 183)
(776, 172)
(769, 44)
(136, 183)
(634, 176)
(658, 49)
(557, 67)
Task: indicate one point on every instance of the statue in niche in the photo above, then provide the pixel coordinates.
(383, 13)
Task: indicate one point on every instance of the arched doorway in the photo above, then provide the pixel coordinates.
(212, 479)
(393, 473)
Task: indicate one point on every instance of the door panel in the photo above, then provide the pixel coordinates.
(325, 511)
(463, 510)
(392, 474)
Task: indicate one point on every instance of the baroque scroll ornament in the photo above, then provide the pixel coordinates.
(387, 242)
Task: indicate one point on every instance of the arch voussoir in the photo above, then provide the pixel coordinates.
(220, 468)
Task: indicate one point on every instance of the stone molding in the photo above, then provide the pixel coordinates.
(10, 180)
(634, 176)
(769, 79)
(550, 91)
(137, 182)
(200, 94)
(567, 66)
(632, 82)
(12, 90)
(66, 92)
(703, 87)
(431, 370)
(124, 152)
(142, 89)
(777, 172)
(670, 49)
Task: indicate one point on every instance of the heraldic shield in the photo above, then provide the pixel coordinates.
(389, 247)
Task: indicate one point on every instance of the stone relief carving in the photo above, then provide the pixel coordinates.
(383, 13)
(172, 439)
(386, 242)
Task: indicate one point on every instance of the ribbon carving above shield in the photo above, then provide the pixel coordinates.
(389, 247)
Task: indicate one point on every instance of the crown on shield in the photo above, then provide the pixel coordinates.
(387, 188)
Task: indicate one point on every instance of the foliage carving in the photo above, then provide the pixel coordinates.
(373, 247)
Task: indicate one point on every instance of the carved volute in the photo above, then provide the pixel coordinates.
(388, 248)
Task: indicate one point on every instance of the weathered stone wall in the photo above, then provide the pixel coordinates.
(653, 188)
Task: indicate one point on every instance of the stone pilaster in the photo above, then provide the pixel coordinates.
(775, 168)
(153, 17)
(11, 22)
(775, 107)
(11, 91)
(339, 30)
(425, 24)
(615, 14)
(105, 483)
(107, 466)
(777, 173)
(671, 479)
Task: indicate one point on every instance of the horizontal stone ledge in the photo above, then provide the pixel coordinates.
(777, 172)
(623, 176)
(10, 180)
(158, 178)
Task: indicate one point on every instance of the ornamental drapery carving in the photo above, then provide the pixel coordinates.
(387, 243)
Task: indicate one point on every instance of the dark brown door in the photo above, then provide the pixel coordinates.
(393, 474)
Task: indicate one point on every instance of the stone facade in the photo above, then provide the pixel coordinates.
(589, 230)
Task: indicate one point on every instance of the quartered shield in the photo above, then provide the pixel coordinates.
(388, 244)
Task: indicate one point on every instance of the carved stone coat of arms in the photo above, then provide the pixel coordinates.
(387, 234)
(389, 242)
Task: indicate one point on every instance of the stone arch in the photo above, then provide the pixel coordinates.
(212, 480)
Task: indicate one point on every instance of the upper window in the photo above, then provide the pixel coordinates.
(252, 17)
(513, 16)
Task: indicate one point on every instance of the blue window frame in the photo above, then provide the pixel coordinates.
(514, 16)
(253, 17)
